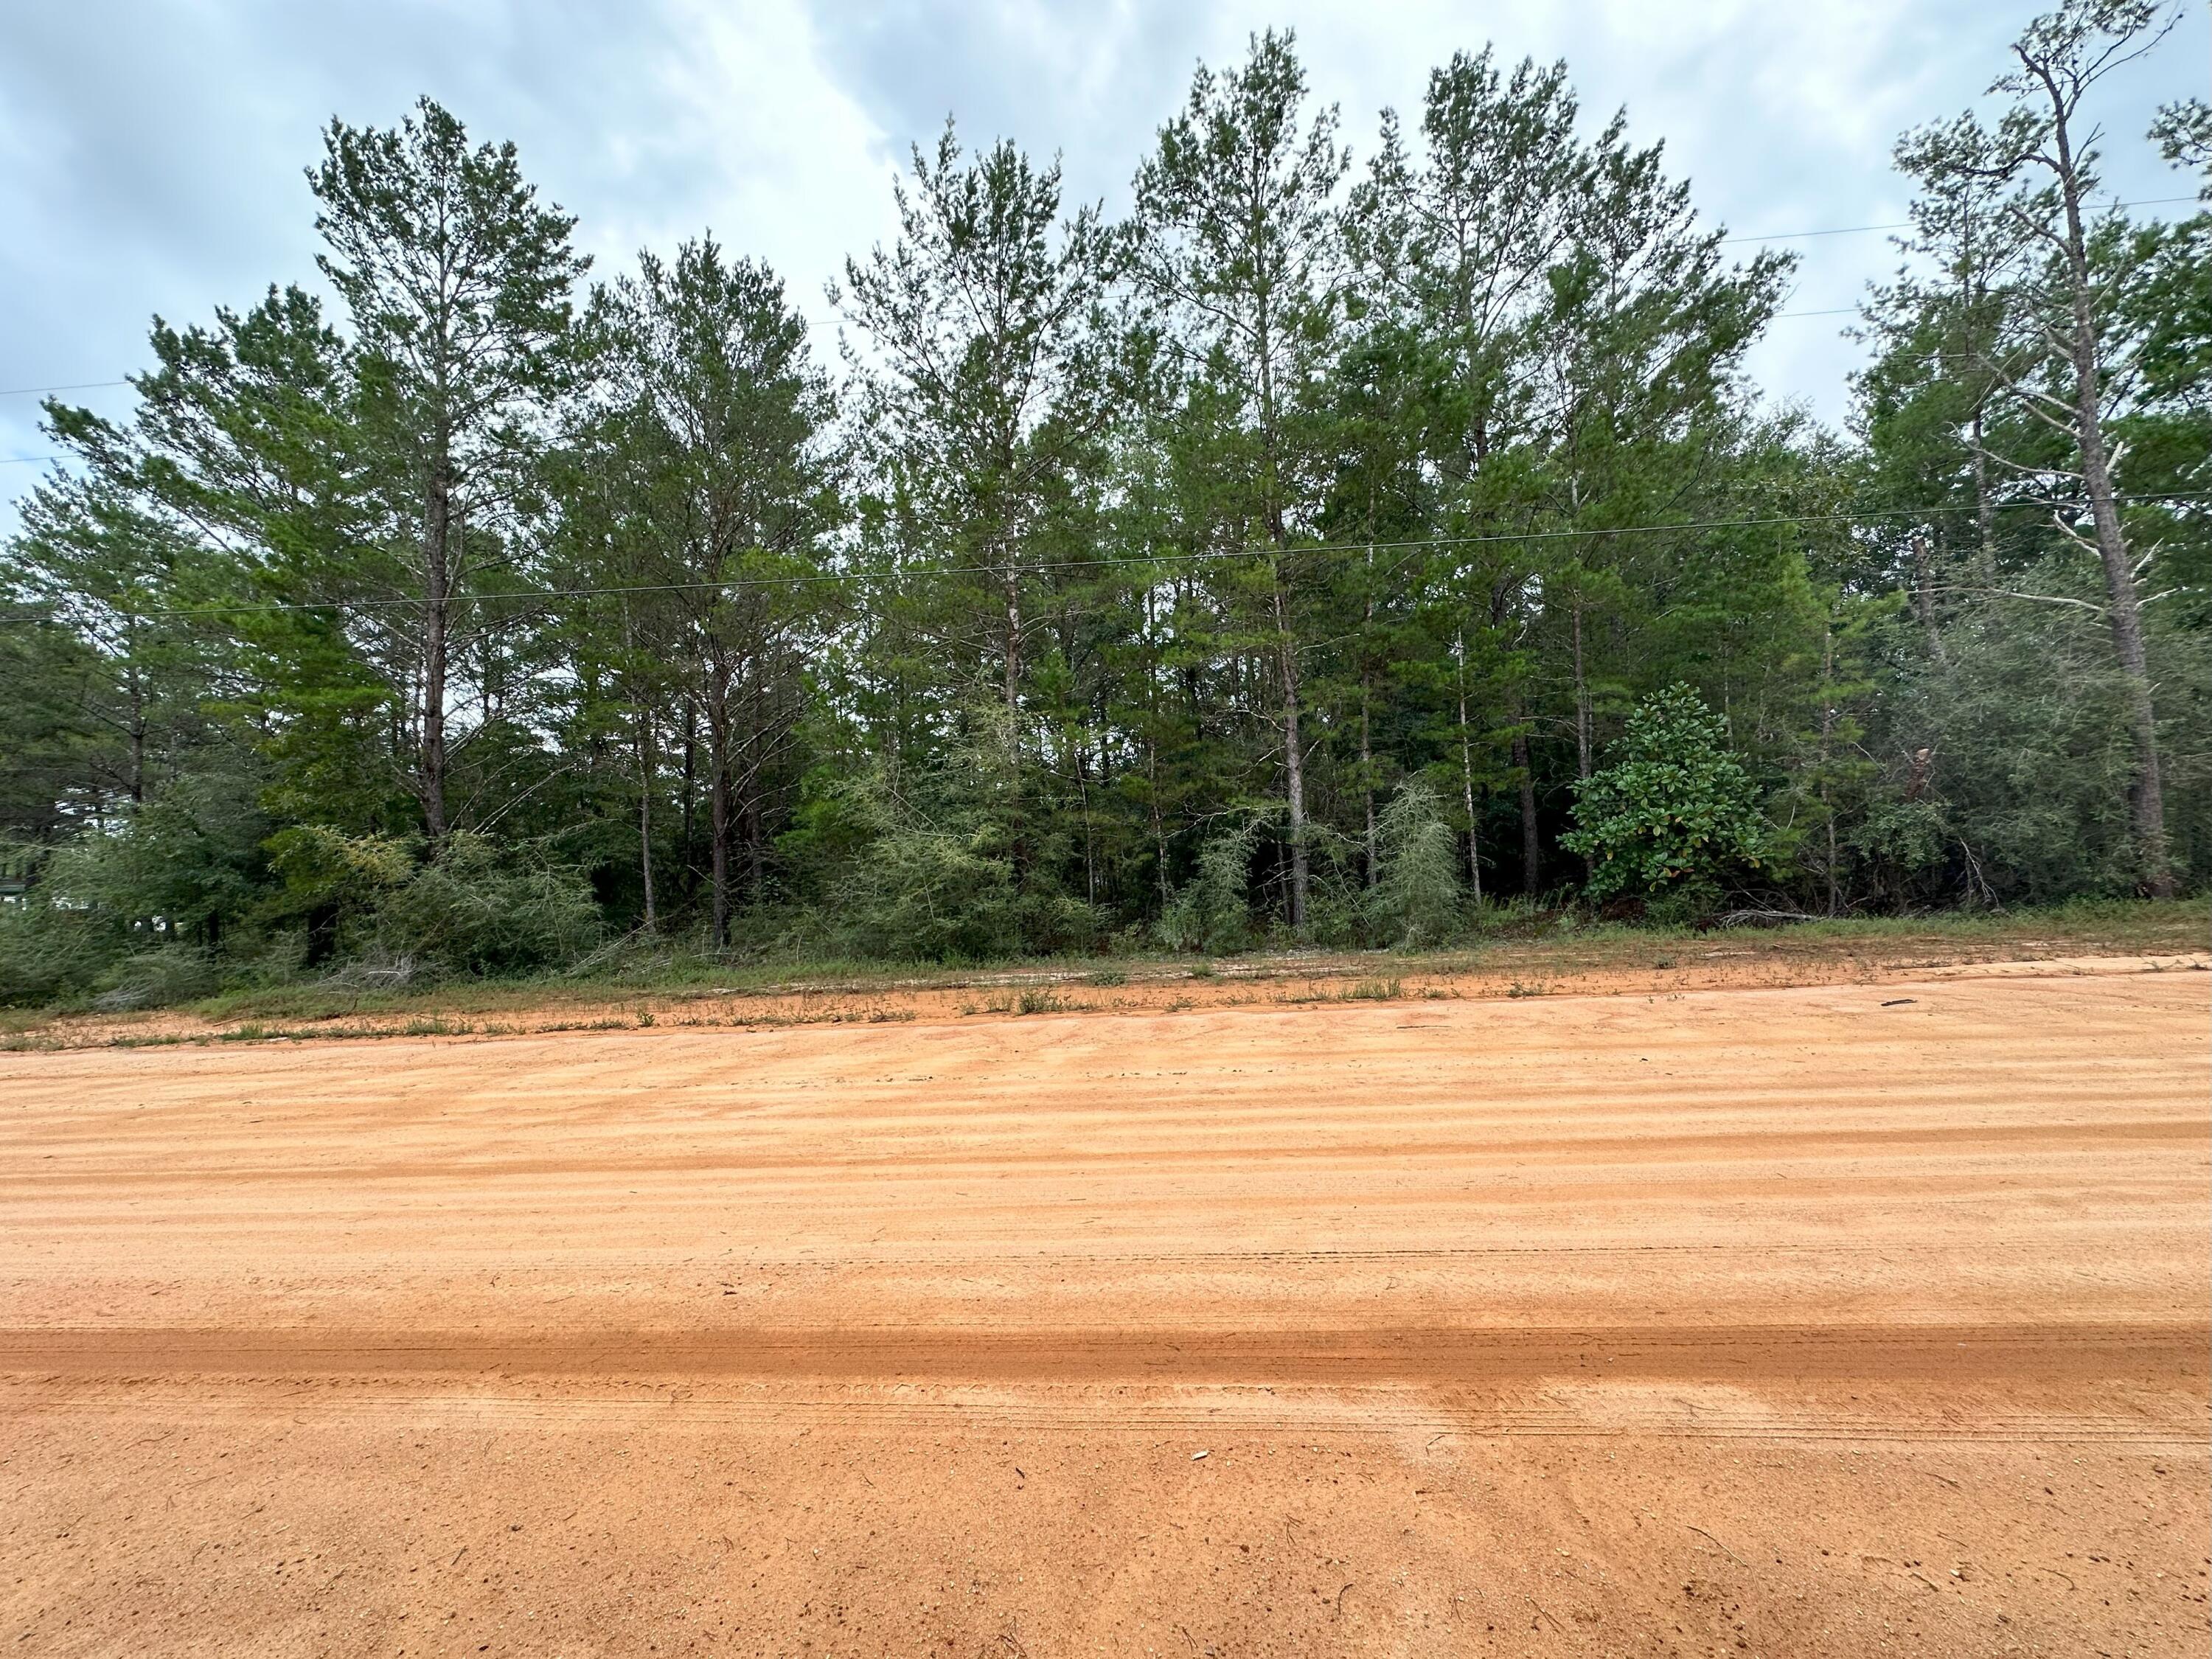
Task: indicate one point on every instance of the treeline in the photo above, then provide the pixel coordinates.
(1329, 552)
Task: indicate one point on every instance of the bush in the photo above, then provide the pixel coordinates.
(1212, 913)
(333, 884)
(47, 953)
(185, 864)
(1675, 806)
(924, 894)
(1417, 899)
(160, 978)
(466, 913)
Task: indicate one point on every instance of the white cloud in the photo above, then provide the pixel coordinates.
(150, 157)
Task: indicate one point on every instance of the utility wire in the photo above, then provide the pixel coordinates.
(82, 386)
(1360, 548)
(1906, 224)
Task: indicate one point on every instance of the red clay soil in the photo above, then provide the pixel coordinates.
(1845, 1320)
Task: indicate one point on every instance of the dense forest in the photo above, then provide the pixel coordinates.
(1327, 552)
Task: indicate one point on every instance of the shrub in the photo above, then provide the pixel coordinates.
(1675, 806)
(466, 912)
(923, 894)
(48, 953)
(1416, 899)
(1212, 913)
(159, 978)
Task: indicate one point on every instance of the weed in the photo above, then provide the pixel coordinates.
(1107, 976)
(1373, 990)
(1039, 1002)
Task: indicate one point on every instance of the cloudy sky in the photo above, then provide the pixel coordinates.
(151, 153)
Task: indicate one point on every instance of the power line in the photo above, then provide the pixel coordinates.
(1906, 224)
(28, 460)
(1339, 549)
(82, 386)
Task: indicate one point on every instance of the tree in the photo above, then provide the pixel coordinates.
(1454, 245)
(2064, 359)
(985, 390)
(710, 487)
(457, 283)
(1674, 807)
(1236, 247)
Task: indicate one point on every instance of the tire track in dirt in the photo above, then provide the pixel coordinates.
(2158, 1354)
(1763, 1319)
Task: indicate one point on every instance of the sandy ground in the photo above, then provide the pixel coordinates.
(1855, 1319)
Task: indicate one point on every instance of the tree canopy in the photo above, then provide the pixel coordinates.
(1325, 552)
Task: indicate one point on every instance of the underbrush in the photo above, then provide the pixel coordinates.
(1534, 947)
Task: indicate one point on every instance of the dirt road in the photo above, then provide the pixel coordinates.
(1844, 1320)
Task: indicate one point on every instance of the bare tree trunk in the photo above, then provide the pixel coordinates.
(645, 810)
(1532, 843)
(1367, 789)
(1159, 823)
(1466, 780)
(1366, 737)
(1827, 725)
(1923, 600)
(1294, 773)
(1582, 725)
(1581, 702)
(720, 807)
(437, 600)
(137, 729)
(1986, 512)
(1090, 840)
(691, 791)
(1013, 659)
(756, 785)
(2147, 797)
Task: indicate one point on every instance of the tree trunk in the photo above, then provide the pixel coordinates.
(1827, 725)
(1294, 771)
(1582, 726)
(756, 837)
(1532, 844)
(1366, 737)
(690, 794)
(437, 598)
(1467, 782)
(645, 811)
(1367, 790)
(1923, 600)
(1467, 789)
(1581, 702)
(719, 813)
(2147, 796)
(1986, 512)
(137, 732)
(1159, 822)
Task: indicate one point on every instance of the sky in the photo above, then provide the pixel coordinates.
(152, 155)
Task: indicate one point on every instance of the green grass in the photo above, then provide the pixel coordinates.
(1535, 949)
